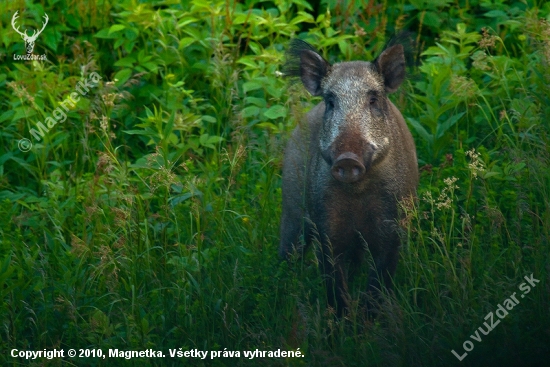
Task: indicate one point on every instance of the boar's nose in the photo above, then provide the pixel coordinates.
(348, 168)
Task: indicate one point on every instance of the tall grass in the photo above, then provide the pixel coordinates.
(149, 218)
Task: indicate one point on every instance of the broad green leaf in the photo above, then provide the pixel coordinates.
(302, 17)
(270, 126)
(432, 19)
(495, 14)
(186, 41)
(169, 125)
(52, 38)
(209, 140)
(6, 115)
(433, 51)
(208, 118)
(122, 76)
(104, 33)
(185, 21)
(443, 127)
(260, 102)
(23, 112)
(240, 19)
(252, 85)
(147, 132)
(119, 42)
(126, 62)
(421, 130)
(250, 111)
(249, 61)
(303, 3)
(256, 48)
(491, 174)
(116, 27)
(275, 112)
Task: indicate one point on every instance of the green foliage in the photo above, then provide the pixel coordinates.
(149, 217)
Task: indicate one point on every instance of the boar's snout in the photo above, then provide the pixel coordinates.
(348, 168)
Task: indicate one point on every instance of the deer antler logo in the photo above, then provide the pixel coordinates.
(29, 40)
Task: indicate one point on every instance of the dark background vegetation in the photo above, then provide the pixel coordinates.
(149, 218)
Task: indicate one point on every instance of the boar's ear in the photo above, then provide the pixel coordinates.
(305, 62)
(313, 68)
(391, 65)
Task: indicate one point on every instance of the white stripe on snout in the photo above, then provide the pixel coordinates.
(352, 108)
(333, 133)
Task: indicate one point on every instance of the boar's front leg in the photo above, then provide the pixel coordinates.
(385, 258)
(293, 218)
(291, 228)
(333, 269)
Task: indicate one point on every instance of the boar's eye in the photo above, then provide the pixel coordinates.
(329, 103)
(373, 100)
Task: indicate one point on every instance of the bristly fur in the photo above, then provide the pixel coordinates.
(291, 68)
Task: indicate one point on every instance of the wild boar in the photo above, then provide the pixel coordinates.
(347, 167)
